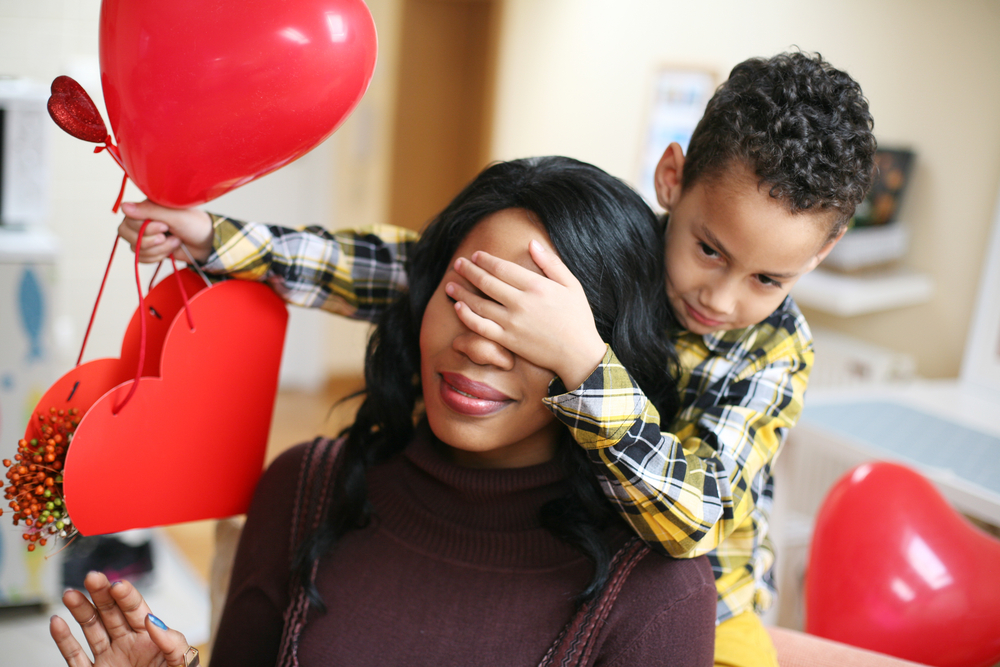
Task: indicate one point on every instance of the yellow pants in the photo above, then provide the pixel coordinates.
(742, 641)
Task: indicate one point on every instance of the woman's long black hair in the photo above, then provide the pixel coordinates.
(612, 242)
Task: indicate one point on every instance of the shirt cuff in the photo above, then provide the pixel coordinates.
(602, 410)
(239, 249)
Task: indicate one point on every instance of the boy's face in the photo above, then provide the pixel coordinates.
(732, 251)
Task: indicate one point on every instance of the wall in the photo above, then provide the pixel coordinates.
(573, 79)
(575, 74)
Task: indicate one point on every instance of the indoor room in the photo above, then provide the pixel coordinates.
(904, 311)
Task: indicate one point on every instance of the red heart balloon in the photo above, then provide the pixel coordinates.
(893, 568)
(72, 109)
(205, 96)
(191, 442)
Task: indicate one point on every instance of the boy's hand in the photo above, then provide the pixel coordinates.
(544, 319)
(169, 227)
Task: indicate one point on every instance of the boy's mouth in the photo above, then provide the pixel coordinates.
(701, 319)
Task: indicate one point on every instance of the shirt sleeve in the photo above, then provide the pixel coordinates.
(353, 273)
(686, 490)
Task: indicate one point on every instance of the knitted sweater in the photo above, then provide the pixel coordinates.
(455, 569)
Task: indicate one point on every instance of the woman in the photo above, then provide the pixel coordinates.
(465, 527)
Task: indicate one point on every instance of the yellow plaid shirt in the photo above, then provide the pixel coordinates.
(701, 486)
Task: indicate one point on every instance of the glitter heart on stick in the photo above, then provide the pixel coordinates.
(72, 109)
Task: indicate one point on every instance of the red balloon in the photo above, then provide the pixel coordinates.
(894, 569)
(204, 96)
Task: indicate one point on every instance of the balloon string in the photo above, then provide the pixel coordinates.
(156, 272)
(109, 146)
(97, 301)
(184, 296)
(142, 326)
(121, 194)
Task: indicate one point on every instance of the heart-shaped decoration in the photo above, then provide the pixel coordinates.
(893, 568)
(191, 442)
(72, 109)
(206, 96)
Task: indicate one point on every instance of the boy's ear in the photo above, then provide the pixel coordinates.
(667, 177)
(825, 250)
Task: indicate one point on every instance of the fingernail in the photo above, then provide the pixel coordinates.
(475, 256)
(535, 245)
(68, 590)
(115, 583)
(157, 622)
(449, 288)
(458, 263)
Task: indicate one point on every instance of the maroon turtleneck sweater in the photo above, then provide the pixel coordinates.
(454, 570)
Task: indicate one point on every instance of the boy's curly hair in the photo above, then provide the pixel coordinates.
(802, 125)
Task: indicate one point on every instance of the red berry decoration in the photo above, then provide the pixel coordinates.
(35, 488)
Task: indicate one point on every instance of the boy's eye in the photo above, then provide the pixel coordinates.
(767, 282)
(708, 250)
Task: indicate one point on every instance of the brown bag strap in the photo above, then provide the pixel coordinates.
(313, 494)
(575, 644)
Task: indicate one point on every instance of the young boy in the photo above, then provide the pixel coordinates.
(774, 170)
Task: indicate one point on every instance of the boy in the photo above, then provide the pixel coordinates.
(775, 168)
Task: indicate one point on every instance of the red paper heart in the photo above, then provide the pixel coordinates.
(190, 444)
(72, 109)
(205, 97)
(893, 568)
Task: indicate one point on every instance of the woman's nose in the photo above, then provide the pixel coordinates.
(483, 351)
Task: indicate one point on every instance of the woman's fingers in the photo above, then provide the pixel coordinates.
(115, 615)
(89, 620)
(171, 643)
(131, 603)
(72, 652)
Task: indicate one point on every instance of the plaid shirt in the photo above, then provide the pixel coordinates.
(703, 486)
(352, 273)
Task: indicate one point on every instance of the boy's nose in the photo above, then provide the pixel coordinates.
(720, 298)
(483, 351)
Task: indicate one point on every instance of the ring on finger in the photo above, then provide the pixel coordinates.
(190, 658)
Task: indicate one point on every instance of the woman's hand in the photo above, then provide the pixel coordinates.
(119, 629)
(169, 227)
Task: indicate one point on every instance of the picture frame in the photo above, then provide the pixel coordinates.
(679, 95)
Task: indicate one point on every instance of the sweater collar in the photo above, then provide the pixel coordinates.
(486, 517)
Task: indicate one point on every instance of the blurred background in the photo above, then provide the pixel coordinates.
(460, 83)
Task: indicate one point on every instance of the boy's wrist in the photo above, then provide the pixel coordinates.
(580, 366)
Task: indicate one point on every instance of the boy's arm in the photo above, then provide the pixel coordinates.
(686, 492)
(683, 491)
(354, 273)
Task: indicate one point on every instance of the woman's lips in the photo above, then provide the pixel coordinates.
(472, 398)
(701, 319)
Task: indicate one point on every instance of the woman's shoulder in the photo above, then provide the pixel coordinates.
(665, 614)
(275, 496)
